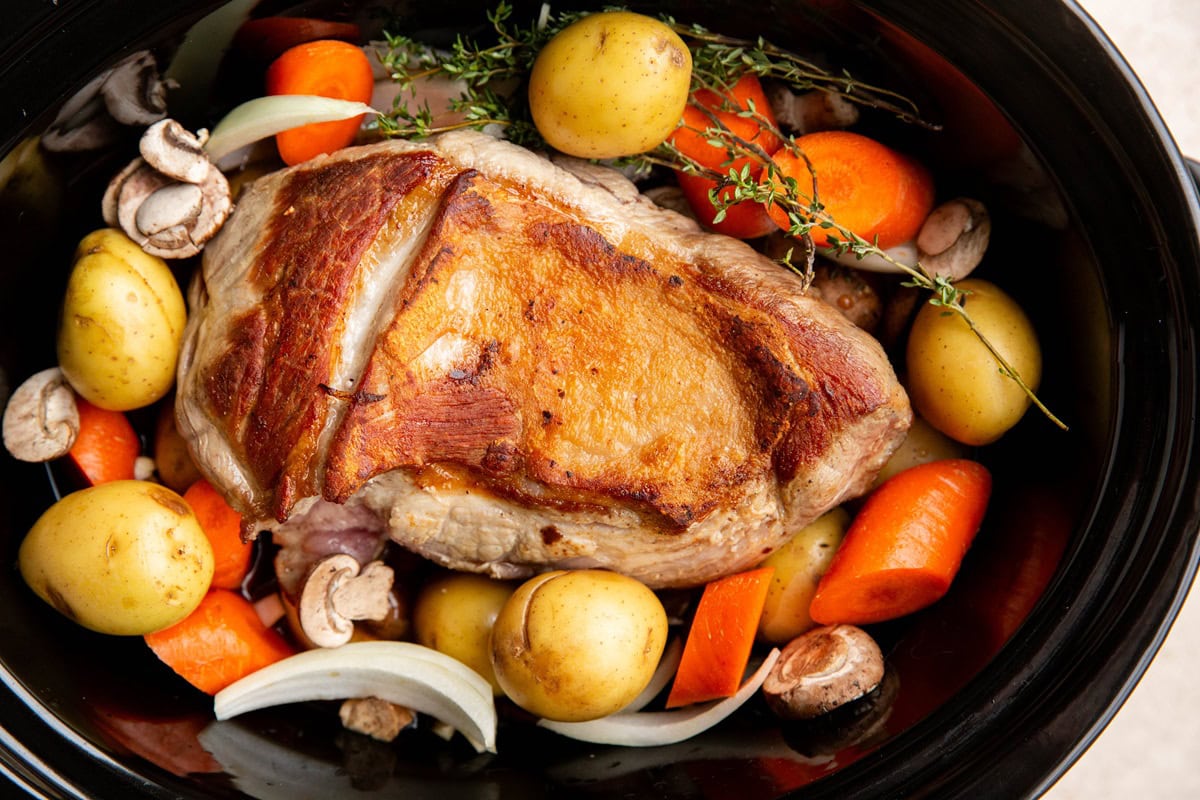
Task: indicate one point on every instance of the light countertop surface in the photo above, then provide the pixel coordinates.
(1152, 749)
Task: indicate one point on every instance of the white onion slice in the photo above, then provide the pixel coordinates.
(407, 674)
(668, 665)
(266, 116)
(656, 728)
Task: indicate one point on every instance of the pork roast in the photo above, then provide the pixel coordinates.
(514, 365)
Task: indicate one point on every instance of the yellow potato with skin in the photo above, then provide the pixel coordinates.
(923, 443)
(578, 645)
(612, 84)
(799, 565)
(955, 383)
(124, 558)
(122, 323)
(454, 614)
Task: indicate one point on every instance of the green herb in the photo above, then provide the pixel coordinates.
(494, 77)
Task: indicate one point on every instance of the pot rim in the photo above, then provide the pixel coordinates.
(1064, 736)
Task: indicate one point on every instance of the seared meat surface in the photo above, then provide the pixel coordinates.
(516, 366)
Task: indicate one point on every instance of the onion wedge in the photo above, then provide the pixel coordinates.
(266, 116)
(656, 728)
(407, 674)
(667, 667)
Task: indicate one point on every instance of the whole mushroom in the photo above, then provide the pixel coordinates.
(172, 199)
(821, 670)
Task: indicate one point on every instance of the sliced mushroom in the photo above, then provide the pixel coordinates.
(954, 238)
(822, 670)
(134, 94)
(41, 420)
(336, 593)
(175, 151)
(168, 218)
(375, 717)
(129, 93)
(810, 111)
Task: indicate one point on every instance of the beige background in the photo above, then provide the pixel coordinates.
(1152, 748)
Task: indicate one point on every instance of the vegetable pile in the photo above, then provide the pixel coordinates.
(751, 141)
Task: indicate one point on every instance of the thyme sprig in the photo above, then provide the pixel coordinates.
(718, 62)
(805, 212)
(493, 77)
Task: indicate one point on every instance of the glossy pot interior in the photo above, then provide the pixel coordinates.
(1096, 236)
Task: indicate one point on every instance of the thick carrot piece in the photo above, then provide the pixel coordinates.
(865, 186)
(743, 109)
(328, 68)
(223, 527)
(743, 220)
(905, 545)
(220, 642)
(719, 641)
(107, 445)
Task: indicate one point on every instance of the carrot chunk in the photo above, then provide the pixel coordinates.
(328, 68)
(865, 186)
(743, 109)
(905, 546)
(719, 641)
(223, 527)
(107, 445)
(220, 642)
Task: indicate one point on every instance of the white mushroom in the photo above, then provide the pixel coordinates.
(822, 670)
(811, 111)
(335, 594)
(175, 151)
(41, 420)
(954, 238)
(172, 200)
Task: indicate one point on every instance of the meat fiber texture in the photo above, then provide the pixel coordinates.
(509, 364)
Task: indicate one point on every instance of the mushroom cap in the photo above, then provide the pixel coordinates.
(822, 670)
(173, 226)
(175, 151)
(133, 93)
(41, 420)
(954, 238)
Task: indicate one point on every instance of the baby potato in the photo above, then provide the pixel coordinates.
(122, 323)
(955, 383)
(125, 558)
(612, 84)
(799, 565)
(923, 443)
(454, 614)
(578, 645)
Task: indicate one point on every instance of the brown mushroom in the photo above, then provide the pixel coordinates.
(339, 591)
(41, 420)
(128, 93)
(167, 217)
(375, 717)
(954, 238)
(822, 670)
(134, 94)
(812, 111)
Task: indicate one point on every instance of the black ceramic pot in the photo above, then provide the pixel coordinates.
(1097, 235)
